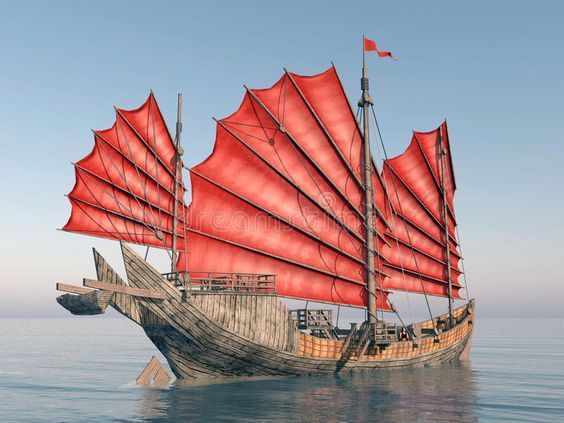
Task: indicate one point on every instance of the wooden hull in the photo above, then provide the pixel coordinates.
(185, 358)
(210, 335)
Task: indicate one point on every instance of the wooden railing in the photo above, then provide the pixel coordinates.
(224, 282)
(320, 322)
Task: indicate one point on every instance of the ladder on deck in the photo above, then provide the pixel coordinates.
(356, 342)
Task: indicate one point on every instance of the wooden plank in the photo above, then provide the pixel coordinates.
(135, 292)
(73, 289)
(125, 304)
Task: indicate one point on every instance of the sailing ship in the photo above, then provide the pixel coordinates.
(290, 204)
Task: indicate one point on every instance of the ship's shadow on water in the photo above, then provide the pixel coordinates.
(437, 393)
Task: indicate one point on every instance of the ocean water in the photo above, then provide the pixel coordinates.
(83, 368)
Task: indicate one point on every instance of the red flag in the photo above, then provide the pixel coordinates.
(370, 45)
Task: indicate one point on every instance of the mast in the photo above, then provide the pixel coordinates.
(445, 220)
(365, 102)
(177, 170)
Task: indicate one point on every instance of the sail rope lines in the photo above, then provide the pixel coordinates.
(118, 202)
(158, 229)
(288, 177)
(405, 224)
(154, 226)
(328, 203)
(380, 153)
(111, 195)
(143, 186)
(462, 265)
(299, 156)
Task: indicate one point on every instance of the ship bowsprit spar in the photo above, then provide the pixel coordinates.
(286, 206)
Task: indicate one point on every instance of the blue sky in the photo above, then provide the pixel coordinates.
(493, 69)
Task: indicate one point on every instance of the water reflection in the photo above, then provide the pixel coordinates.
(440, 393)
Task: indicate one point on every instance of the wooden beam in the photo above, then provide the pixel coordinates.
(73, 289)
(134, 292)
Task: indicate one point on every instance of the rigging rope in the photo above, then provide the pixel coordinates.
(462, 265)
(405, 224)
(157, 228)
(299, 156)
(380, 153)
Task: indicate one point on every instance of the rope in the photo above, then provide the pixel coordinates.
(462, 265)
(399, 255)
(338, 314)
(143, 185)
(298, 155)
(405, 224)
(157, 228)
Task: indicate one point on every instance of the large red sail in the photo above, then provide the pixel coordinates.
(125, 188)
(416, 260)
(282, 193)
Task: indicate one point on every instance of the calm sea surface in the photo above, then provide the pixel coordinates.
(82, 369)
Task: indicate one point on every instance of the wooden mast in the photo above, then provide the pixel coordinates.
(445, 220)
(177, 170)
(365, 102)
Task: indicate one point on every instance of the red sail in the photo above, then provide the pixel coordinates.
(416, 260)
(282, 193)
(125, 187)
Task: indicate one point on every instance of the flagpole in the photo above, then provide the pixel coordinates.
(365, 102)
(363, 56)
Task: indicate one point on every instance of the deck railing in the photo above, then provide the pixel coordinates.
(320, 322)
(224, 282)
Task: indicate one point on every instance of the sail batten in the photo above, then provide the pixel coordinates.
(435, 179)
(414, 230)
(355, 175)
(328, 212)
(122, 190)
(99, 138)
(424, 259)
(354, 257)
(440, 225)
(125, 187)
(305, 154)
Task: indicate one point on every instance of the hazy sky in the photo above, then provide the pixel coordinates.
(494, 69)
